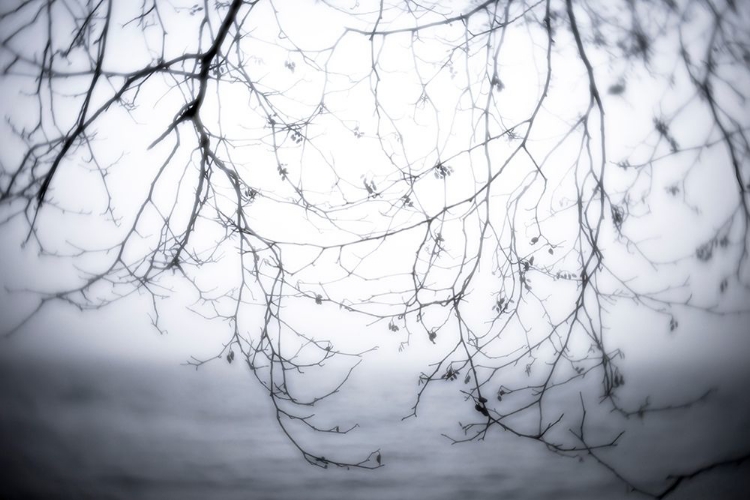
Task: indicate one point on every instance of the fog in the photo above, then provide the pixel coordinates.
(393, 218)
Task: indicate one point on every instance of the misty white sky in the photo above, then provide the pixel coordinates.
(332, 165)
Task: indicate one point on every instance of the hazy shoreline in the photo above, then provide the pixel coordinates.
(109, 429)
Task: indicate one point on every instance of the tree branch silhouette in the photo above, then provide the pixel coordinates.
(437, 168)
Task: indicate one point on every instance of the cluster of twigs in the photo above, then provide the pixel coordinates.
(443, 169)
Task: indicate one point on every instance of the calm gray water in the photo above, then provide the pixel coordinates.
(157, 431)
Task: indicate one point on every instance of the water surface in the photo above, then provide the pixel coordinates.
(120, 430)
